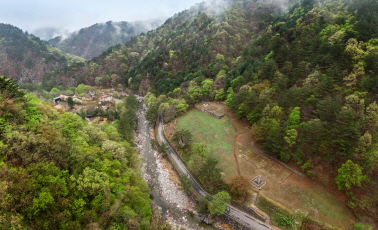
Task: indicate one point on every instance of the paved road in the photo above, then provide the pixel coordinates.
(232, 212)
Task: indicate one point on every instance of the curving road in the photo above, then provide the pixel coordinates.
(232, 212)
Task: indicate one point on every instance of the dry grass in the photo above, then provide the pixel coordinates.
(283, 187)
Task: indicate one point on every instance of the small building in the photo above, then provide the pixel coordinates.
(57, 100)
(87, 97)
(106, 98)
(65, 97)
(75, 99)
(105, 104)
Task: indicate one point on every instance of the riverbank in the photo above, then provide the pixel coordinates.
(176, 207)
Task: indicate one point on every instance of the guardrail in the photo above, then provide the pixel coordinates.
(201, 192)
(177, 168)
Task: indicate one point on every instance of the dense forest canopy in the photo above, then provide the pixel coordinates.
(304, 75)
(183, 48)
(58, 172)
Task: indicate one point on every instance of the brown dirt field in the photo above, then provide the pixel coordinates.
(282, 185)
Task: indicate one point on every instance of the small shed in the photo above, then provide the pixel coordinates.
(57, 100)
(87, 97)
(65, 97)
(106, 98)
(105, 104)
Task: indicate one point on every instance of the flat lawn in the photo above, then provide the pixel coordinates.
(217, 134)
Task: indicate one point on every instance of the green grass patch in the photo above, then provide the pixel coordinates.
(329, 208)
(324, 202)
(278, 214)
(217, 134)
(284, 218)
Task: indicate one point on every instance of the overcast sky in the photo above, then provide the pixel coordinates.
(71, 15)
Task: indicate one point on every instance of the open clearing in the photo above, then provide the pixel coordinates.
(231, 141)
(217, 134)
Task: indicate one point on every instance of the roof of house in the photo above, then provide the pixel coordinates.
(105, 96)
(105, 102)
(87, 95)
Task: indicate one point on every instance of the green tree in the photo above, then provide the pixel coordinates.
(183, 138)
(239, 186)
(360, 226)
(194, 94)
(181, 108)
(294, 118)
(83, 89)
(70, 102)
(202, 206)
(54, 92)
(349, 174)
(291, 136)
(91, 181)
(186, 183)
(217, 206)
(131, 102)
(9, 88)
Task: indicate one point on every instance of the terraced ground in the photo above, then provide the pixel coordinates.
(230, 140)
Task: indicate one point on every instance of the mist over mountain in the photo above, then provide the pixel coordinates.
(311, 61)
(92, 41)
(27, 58)
(302, 73)
(49, 33)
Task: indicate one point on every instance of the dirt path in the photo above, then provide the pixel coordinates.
(238, 132)
(282, 185)
(235, 154)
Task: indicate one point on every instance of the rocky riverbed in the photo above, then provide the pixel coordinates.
(176, 207)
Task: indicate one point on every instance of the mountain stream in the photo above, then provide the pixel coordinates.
(175, 206)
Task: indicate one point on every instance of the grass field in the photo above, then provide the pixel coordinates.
(291, 192)
(217, 134)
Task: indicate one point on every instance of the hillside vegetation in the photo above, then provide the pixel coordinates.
(58, 172)
(183, 48)
(305, 78)
(26, 58)
(90, 42)
(304, 75)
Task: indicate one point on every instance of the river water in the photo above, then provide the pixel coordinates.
(176, 207)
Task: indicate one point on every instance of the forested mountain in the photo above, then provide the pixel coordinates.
(183, 48)
(304, 76)
(90, 42)
(26, 58)
(58, 172)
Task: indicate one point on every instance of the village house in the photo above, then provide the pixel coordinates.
(105, 105)
(57, 100)
(106, 98)
(87, 97)
(75, 99)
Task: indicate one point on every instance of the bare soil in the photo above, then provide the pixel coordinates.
(321, 199)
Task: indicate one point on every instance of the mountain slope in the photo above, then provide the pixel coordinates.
(26, 58)
(59, 172)
(92, 41)
(184, 47)
(304, 77)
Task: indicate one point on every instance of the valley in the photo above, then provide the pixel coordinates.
(262, 113)
(241, 157)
